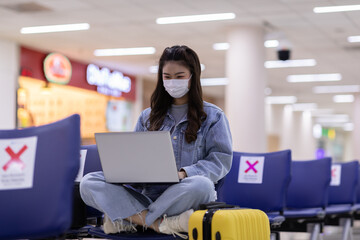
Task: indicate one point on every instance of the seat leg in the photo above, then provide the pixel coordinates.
(315, 231)
(275, 236)
(347, 228)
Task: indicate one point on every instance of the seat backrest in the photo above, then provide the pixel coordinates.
(345, 191)
(92, 161)
(309, 183)
(267, 194)
(358, 189)
(92, 164)
(38, 166)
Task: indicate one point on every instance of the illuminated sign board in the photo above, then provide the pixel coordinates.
(57, 68)
(108, 83)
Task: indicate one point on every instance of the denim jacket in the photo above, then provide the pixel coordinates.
(210, 154)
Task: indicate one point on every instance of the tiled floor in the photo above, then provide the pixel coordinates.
(330, 233)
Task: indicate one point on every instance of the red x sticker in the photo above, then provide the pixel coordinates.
(15, 157)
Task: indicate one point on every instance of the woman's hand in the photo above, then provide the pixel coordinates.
(182, 174)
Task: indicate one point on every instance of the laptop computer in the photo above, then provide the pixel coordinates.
(137, 157)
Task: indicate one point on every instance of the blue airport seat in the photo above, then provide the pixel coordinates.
(356, 207)
(42, 209)
(307, 196)
(92, 164)
(85, 216)
(342, 198)
(269, 195)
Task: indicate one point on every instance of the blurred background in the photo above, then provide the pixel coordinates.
(252, 52)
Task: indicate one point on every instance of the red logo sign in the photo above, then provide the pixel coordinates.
(57, 68)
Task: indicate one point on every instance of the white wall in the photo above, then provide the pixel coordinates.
(356, 132)
(9, 72)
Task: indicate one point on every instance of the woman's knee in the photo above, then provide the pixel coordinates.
(202, 186)
(89, 181)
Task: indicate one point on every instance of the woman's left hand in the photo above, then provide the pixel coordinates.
(182, 174)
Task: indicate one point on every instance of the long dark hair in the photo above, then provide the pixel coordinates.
(161, 100)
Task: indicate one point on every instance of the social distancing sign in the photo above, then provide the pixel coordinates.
(251, 169)
(83, 153)
(17, 162)
(335, 175)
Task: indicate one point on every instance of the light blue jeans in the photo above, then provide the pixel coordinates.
(120, 202)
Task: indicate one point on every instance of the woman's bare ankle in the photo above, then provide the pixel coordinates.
(155, 225)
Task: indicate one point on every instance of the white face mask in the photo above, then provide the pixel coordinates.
(177, 88)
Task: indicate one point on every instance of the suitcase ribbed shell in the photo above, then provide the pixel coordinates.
(231, 224)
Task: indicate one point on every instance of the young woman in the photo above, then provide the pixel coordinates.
(202, 146)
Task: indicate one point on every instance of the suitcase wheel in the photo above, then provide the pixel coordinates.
(195, 233)
(218, 236)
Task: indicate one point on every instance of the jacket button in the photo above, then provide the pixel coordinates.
(175, 137)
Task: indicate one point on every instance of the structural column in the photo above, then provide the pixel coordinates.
(244, 95)
(138, 104)
(297, 134)
(9, 73)
(356, 131)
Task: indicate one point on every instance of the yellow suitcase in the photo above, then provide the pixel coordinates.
(229, 224)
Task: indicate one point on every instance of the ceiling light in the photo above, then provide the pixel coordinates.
(280, 99)
(317, 131)
(124, 51)
(221, 46)
(334, 125)
(304, 106)
(353, 39)
(155, 69)
(214, 81)
(321, 112)
(196, 18)
(348, 127)
(343, 98)
(271, 43)
(330, 9)
(334, 118)
(290, 63)
(55, 28)
(226, 46)
(314, 77)
(336, 89)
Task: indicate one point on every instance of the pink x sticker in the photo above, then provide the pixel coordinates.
(333, 172)
(335, 175)
(251, 169)
(15, 157)
(251, 166)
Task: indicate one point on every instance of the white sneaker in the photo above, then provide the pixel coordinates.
(117, 226)
(176, 224)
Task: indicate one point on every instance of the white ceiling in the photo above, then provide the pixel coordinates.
(131, 23)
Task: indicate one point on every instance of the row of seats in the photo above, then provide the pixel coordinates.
(297, 195)
(39, 166)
